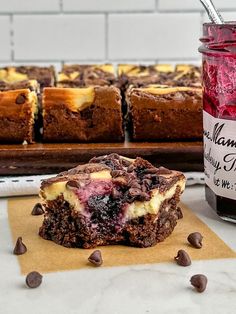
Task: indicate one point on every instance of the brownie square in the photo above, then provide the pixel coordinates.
(78, 75)
(90, 114)
(141, 75)
(162, 112)
(44, 75)
(18, 109)
(111, 200)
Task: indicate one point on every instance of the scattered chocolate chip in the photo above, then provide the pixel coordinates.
(163, 170)
(37, 210)
(199, 282)
(195, 239)
(183, 258)
(20, 99)
(20, 247)
(96, 258)
(72, 184)
(33, 279)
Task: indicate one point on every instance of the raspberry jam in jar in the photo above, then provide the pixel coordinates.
(219, 116)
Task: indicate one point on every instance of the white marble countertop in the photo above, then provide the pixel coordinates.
(158, 288)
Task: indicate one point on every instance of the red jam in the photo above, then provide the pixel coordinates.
(219, 116)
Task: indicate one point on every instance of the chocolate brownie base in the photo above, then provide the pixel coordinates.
(159, 112)
(90, 114)
(66, 227)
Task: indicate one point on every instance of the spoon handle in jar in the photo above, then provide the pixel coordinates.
(213, 14)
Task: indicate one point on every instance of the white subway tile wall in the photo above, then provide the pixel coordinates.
(86, 31)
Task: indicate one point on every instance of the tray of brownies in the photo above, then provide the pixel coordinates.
(52, 121)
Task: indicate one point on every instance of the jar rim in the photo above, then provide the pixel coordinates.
(226, 24)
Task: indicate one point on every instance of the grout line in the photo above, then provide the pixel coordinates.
(12, 37)
(61, 6)
(106, 36)
(61, 10)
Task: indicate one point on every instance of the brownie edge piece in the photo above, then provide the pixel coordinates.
(111, 200)
(18, 109)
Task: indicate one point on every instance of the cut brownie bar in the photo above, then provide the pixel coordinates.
(91, 114)
(32, 85)
(44, 75)
(164, 112)
(164, 74)
(77, 75)
(111, 200)
(141, 75)
(18, 109)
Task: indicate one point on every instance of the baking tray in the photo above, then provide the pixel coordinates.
(52, 158)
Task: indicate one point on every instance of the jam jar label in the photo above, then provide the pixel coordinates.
(220, 155)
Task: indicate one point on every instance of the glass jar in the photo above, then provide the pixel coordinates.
(219, 116)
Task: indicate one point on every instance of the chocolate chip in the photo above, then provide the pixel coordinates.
(20, 99)
(179, 213)
(20, 247)
(130, 168)
(183, 258)
(33, 279)
(163, 170)
(37, 210)
(125, 162)
(144, 196)
(135, 184)
(133, 192)
(150, 170)
(96, 258)
(117, 173)
(115, 194)
(147, 182)
(72, 184)
(195, 239)
(199, 282)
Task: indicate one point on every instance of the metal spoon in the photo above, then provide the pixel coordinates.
(213, 14)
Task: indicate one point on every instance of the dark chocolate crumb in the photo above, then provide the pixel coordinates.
(20, 247)
(199, 282)
(37, 210)
(33, 279)
(96, 258)
(183, 258)
(195, 239)
(20, 99)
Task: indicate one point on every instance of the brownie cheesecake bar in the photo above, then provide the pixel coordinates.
(89, 114)
(44, 75)
(163, 112)
(111, 200)
(18, 111)
(141, 75)
(77, 75)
